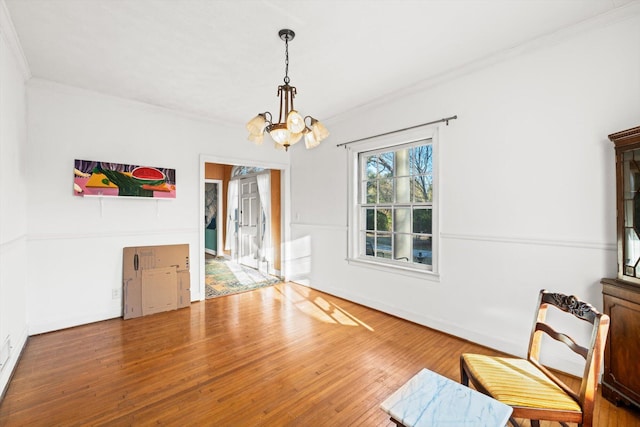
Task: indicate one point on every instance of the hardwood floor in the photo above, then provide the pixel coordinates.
(279, 356)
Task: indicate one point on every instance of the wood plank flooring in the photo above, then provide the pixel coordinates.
(279, 356)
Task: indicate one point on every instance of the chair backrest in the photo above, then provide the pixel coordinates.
(593, 352)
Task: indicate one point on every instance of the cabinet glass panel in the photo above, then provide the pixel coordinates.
(631, 203)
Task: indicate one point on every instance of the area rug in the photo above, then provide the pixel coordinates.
(223, 277)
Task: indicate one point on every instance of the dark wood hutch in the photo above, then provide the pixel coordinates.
(621, 380)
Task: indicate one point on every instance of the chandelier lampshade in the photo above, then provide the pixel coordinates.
(295, 122)
(257, 124)
(257, 138)
(318, 129)
(291, 125)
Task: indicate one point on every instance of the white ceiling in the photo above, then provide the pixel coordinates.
(223, 59)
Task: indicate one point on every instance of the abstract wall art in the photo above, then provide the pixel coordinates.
(91, 178)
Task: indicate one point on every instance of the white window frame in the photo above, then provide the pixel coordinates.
(389, 142)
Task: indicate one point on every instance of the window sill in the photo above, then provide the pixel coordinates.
(396, 269)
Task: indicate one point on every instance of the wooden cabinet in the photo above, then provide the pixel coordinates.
(621, 296)
(621, 380)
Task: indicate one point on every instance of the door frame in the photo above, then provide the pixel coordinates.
(285, 217)
(221, 204)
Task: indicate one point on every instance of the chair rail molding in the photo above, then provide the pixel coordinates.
(532, 241)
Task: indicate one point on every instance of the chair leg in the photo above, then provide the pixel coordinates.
(535, 423)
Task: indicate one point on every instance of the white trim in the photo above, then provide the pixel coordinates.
(612, 16)
(14, 357)
(70, 322)
(487, 339)
(430, 132)
(44, 84)
(396, 269)
(323, 226)
(8, 31)
(7, 245)
(108, 234)
(532, 241)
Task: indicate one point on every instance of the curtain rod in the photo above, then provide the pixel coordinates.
(446, 120)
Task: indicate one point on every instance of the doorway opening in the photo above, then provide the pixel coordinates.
(246, 203)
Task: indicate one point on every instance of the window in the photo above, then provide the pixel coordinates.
(393, 217)
(245, 170)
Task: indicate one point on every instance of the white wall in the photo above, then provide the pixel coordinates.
(13, 201)
(527, 191)
(75, 244)
(527, 196)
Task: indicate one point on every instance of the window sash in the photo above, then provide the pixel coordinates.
(387, 219)
(357, 246)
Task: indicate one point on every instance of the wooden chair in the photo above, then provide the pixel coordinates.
(529, 388)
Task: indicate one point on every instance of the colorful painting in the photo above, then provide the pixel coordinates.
(116, 179)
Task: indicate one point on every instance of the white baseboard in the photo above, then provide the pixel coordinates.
(43, 327)
(6, 372)
(516, 349)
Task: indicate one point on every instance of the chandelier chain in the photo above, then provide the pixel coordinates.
(286, 60)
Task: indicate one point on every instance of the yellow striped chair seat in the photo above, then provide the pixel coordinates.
(517, 382)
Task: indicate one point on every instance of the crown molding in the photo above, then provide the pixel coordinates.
(8, 31)
(619, 13)
(54, 86)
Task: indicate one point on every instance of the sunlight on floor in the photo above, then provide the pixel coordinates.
(319, 308)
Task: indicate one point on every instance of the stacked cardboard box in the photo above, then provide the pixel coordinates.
(155, 279)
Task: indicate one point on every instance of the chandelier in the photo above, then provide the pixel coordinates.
(291, 126)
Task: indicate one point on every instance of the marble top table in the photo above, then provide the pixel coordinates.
(429, 399)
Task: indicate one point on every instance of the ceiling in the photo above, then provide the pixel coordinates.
(223, 59)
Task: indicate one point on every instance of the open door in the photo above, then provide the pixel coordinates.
(250, 226)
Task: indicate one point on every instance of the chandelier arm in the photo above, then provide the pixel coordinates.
(293, 92)
(281, 95)
(268, 118)
(286, 109)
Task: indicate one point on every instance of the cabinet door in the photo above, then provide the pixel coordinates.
(622, 370)
(630, 212)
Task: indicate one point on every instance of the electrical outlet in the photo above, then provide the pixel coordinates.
(115, 293)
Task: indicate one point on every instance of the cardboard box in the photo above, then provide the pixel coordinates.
(155, 279)
(184, 288)
(140, 258)
(132, 291)
(159, 290)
